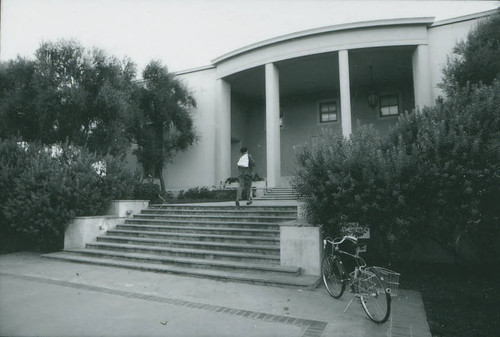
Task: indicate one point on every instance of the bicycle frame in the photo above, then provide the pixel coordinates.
(363, 282)
(359, 261)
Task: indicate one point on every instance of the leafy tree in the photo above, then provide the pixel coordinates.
(68, 94)
(17, 94)
(476, 59)
(162, 124)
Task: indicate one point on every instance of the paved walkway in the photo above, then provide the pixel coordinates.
(42, 297)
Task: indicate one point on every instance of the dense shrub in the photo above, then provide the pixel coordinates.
(151, 192)
(436, 176)
(332, 175)
(205, 193)
(453, 181)
(44, 188)
(343, 181)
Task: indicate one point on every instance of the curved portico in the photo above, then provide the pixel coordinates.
(281, 93)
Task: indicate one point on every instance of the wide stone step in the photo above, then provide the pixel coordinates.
(239, 212)
(272, 279)
(187, 252)
(233, 247)
(201, 230)
(195, 236)
(206, 223)
(189, 262)
(223, 207)
(220, 218)
(279, 191)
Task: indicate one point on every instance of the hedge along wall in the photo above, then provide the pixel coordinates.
(435, 177)
(44, 188)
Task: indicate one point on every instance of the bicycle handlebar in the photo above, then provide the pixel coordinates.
(347, 237)
(338, 241)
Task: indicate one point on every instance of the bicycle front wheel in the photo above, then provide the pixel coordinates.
(375, 299)
(332, 273)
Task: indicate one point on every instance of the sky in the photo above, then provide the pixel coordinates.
(186, 34)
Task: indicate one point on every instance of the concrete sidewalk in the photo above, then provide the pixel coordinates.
(41, 297)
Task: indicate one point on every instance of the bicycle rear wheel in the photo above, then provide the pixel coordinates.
(333, 276)
(375, 300)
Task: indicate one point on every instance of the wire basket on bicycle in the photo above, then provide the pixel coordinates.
(389, 278)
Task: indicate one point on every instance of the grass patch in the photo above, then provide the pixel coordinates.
(459, 301)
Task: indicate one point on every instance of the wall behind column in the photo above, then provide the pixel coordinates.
(256, 134)
(196, 166)
(301, 125)
(301, 117)
(240, 108)
(362, 113)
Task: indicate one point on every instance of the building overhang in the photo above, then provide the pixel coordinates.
(425, 21)
(468, 17)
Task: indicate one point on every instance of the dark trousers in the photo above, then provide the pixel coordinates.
(245, 184)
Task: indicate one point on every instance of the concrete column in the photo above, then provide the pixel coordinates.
(273, 153)
(223, 132)
(345, 93)
(421, 77)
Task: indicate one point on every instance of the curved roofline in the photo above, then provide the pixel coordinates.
(467, 17)
(193, 70)
(327, 29)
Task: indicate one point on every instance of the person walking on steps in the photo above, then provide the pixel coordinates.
(245, 167)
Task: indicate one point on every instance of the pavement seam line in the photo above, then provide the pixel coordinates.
(312, 328)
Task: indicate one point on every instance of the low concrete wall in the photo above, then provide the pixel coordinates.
(300, 246)
(85, 229)
(82, 230)
(126, 208)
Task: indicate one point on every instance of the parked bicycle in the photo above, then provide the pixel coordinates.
(372, 286)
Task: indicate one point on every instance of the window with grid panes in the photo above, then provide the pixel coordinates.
(327, 112)
(389, 105)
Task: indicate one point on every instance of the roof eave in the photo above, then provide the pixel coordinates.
(327, 29)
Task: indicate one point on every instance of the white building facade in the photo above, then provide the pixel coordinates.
(276, 95)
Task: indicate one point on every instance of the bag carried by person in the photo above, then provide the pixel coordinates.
(243, 162)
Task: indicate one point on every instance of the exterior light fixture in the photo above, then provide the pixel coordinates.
(372, 93)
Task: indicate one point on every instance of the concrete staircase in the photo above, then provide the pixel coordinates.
(278, 193)
(219, 242)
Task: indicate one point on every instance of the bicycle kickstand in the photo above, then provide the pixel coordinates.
(349, 304)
